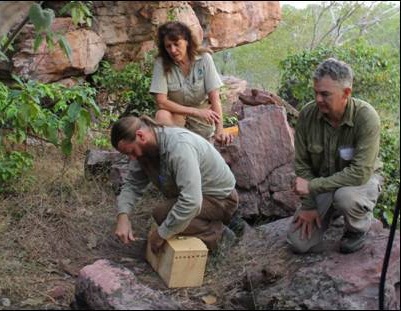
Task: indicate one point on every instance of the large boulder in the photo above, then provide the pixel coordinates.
(262, 160)
(107, 165)
(45, 65)
(105, 285)
(12, 13)
(231, 23)
(281, 280)
(124, 31)
(129, 27)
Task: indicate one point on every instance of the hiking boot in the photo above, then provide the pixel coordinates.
(228, 238)
(237, 224)
(338, 222)
(352, 241)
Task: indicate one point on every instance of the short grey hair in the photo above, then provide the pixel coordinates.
(337, 70)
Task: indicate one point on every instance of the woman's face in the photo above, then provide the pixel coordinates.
(176, 49)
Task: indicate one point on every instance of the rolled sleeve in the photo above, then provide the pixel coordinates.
(159, 79)
(212, 78)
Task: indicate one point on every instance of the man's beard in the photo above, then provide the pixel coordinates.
(150, 153)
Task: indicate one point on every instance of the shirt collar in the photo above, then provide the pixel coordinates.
(161, 138)
(349, 112)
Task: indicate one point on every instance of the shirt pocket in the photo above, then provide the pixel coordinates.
(176, 93)
(198, 86)
(345, 156)
(316, 155)
(173, 86)
(197, 91)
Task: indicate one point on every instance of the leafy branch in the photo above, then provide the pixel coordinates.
(42, 19)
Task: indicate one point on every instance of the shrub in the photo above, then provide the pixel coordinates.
(48, 112)
(376, 79)
(129, 86)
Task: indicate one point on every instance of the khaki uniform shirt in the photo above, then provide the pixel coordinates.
(330, 157)
(188, 90)
(187, 168)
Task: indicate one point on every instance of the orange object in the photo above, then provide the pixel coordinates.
(233, 130)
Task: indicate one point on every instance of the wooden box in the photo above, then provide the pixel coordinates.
(181, 263)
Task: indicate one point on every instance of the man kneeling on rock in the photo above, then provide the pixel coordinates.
(336, 162)
(187, 169)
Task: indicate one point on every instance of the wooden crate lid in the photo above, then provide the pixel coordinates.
(187, 243)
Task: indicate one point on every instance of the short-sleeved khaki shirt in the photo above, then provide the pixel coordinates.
(188, 90)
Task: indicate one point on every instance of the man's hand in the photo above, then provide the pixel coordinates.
(306, 220)
(124, 229)
(301, 186)
(156, 241)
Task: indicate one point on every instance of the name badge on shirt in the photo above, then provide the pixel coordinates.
(347, 153)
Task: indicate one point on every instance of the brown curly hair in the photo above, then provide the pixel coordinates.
(174, 31)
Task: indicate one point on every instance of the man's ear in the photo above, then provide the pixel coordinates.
(140, 136)
(347, 91)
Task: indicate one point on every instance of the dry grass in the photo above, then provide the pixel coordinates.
(50, 227)
(56, 222)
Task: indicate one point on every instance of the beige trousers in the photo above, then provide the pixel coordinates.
(354, 203)
(208, 225)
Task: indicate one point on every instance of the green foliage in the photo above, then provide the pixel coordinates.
(13, 165)
(130, 86)
(171, 15)
(51, 112)
(3, 56)
(389, 154)
(102, 142)
(80, 12)
(42, 20)
(375, 79)
(229, 120)
(101, 126)
(259, 63)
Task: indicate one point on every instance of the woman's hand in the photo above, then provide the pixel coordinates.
(223, 138)
(210, 116)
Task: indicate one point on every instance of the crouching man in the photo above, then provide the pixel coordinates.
(336, 162)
